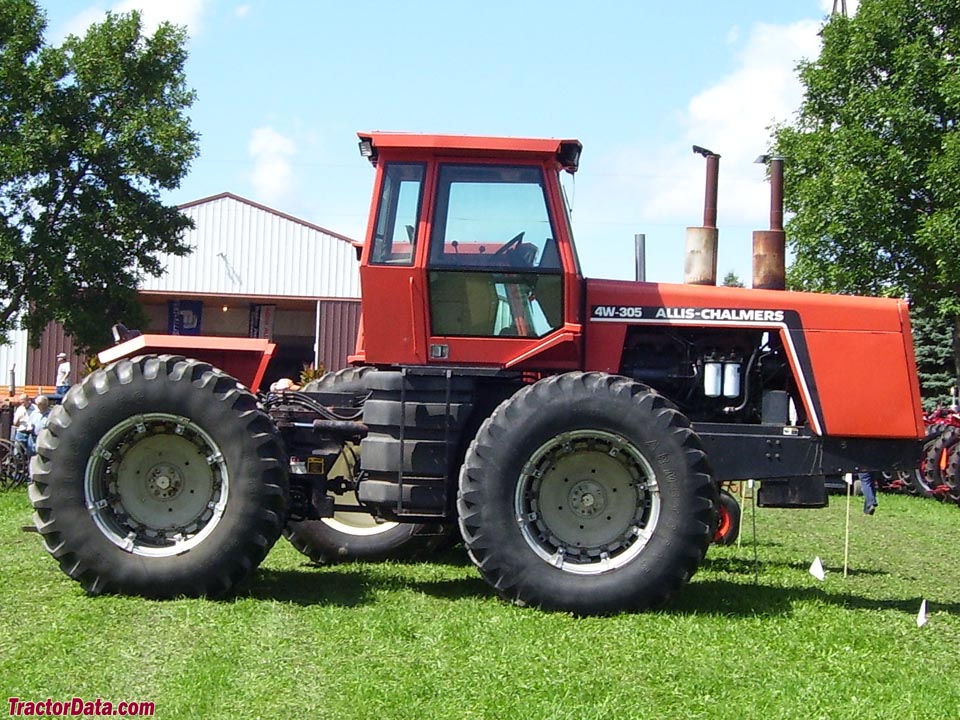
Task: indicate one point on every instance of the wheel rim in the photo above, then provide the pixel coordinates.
(587, 502)
(358, 523)
(156, 485)
(724, 522)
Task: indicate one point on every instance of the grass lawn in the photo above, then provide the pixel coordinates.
(391, 640)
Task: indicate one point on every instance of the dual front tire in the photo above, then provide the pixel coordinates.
(356, 535)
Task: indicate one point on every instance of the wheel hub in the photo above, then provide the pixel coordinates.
(164, 482)
(156, 484)
(587, 501)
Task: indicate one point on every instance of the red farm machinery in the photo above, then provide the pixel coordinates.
(574, 433)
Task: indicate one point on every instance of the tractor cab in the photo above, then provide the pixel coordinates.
(469, 258)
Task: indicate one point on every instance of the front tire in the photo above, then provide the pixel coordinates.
(160, 477)
(588, 493)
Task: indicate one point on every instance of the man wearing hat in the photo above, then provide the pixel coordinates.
(63, 374)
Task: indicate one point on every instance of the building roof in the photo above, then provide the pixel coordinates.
(241, 247)
(265, 208)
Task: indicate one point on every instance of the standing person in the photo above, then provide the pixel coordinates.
(63, 374)
(869, 490)
(21, 422)
(38, 421)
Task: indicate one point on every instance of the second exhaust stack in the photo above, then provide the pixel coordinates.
(769, 246)
(700, 260)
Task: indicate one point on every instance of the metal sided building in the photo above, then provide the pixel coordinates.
(253, 272)
(257, 272)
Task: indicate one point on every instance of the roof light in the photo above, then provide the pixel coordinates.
(367, 149)
(569, 155)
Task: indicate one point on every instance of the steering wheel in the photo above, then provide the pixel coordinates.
(511, 245)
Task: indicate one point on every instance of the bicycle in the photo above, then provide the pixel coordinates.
(14, 464)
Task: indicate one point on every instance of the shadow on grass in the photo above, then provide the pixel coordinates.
(311, 586)
(352, 586)
(745, 566)
(717, 597)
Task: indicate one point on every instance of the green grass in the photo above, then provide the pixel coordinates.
(424, 641)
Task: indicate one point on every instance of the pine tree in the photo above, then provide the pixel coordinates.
(933, 346)
(731, 279)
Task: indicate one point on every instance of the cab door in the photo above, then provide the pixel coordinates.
(494, 270)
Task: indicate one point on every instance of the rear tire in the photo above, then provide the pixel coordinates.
(933, 481)
(160, 477)
(588, 493)
(728, 522)
(351, 536)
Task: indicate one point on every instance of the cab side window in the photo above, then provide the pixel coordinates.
(395, 234)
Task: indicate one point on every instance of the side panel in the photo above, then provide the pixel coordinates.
(864, 383)
(393, 302)
(393, 294)
(852, 356)
(763, 452)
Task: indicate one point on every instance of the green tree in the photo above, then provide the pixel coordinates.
(933, 347)
(731, 279)
(91, 133)
(872, 171)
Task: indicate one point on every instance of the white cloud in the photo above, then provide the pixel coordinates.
(272, 175)
(653, 189)
(241, 11)
(179, 12)
(78, 24)
(733, 117)
(153, 12)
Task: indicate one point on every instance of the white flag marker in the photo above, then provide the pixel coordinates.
(816, 569)
(922, 615)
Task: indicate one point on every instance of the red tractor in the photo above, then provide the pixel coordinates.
(577, 431)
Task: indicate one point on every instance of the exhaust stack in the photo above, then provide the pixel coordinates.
(769, 246)
(700, 260)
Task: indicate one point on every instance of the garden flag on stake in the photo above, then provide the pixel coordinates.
(816, 569)
(922, 615)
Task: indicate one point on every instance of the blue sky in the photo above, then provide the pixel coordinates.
(284, 85)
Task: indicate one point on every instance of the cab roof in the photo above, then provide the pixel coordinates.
(566, 152)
